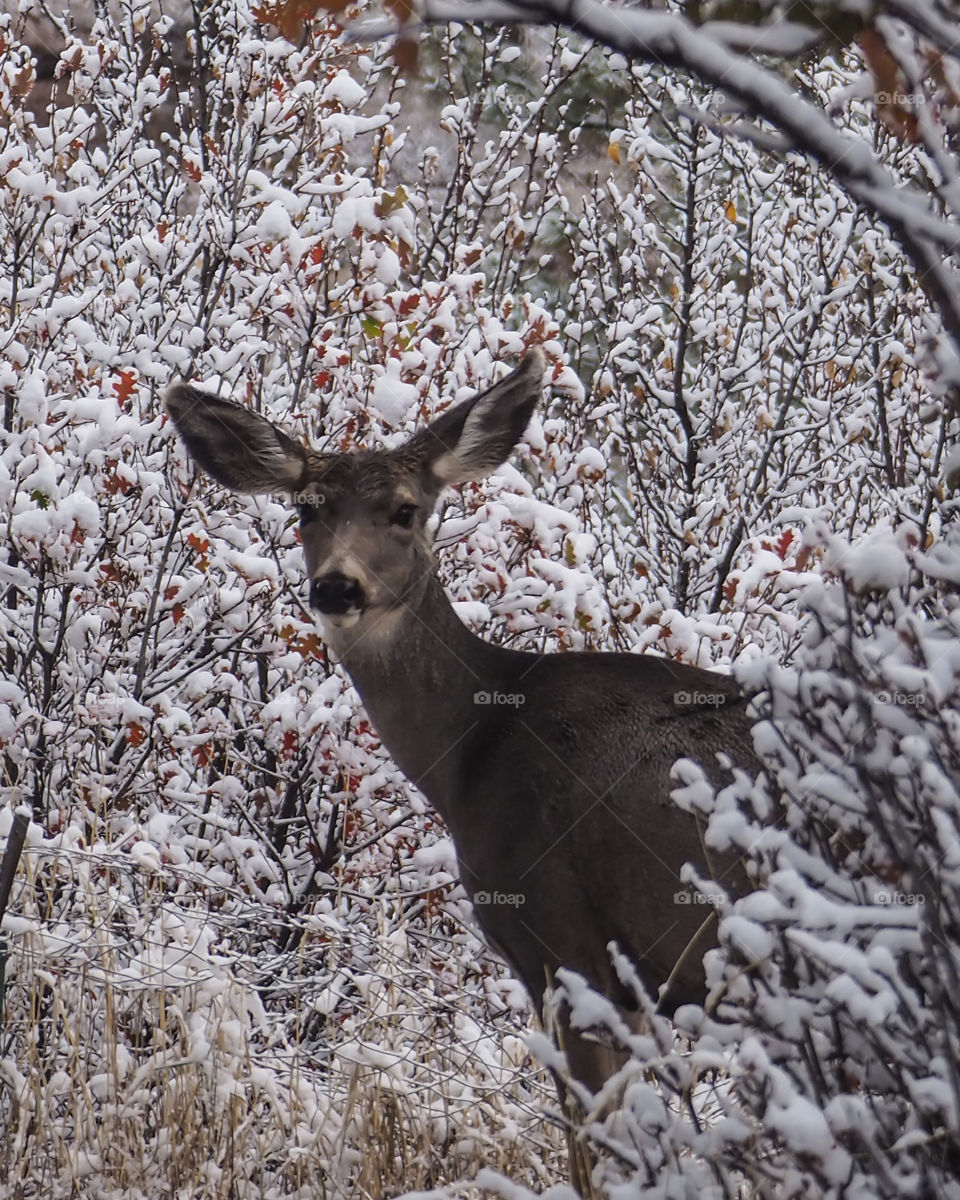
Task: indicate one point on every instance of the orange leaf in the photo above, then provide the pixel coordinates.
(21, 82)
(290, 16)
(401, 9)
(806, 553)
(404, 54)
(889, 89)
(126, 386)
(784, 542)
(201, 546)
(203, 754)
(114, 484)
(880, 62)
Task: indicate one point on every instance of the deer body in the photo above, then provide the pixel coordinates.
(589, 846)
(556, 789)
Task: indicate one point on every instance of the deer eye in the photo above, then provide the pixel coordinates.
(404, 515)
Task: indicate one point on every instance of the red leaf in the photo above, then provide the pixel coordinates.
(126, 386)
(783, 543)
(201, 546)
(404, 54)
(290, 16)
(203, 754)
(135, 733)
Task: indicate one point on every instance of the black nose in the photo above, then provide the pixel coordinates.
(336, 593)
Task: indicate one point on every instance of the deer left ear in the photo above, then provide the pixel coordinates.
(475, 437)
(237, 447)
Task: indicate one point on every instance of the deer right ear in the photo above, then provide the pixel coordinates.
(475, 437)
(237, 447)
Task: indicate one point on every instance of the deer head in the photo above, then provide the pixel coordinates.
(363, 515)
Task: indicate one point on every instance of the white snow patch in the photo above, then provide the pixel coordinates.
(388, 267)
(391, 397)
(274, 224)
(345, 90)
(876, 564)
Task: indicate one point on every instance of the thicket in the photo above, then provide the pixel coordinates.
(238, 962)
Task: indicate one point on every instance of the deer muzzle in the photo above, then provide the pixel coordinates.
(336, 594)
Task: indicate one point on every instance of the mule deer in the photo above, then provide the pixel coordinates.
(558, 801)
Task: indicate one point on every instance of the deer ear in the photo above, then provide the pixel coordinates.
(475, 437)
(237, 447)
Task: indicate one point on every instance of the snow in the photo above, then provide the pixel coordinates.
(749, 937)
(146, 856)
(876, 564)
(274, 224)
(391, 398)
(231, 845)
(355, 211)
(473, 612)
(344, 90)
(388, 267)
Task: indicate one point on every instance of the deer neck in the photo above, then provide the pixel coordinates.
(418, 671)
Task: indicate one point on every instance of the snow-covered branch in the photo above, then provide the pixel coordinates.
(712, 53)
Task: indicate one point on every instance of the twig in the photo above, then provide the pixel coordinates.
(11, 857)
(8, 869)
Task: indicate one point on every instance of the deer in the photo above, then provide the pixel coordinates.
(552, 772)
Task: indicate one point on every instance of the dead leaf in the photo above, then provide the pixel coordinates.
(290, 16)
(890, 93)
(126, 386)
(404, 54)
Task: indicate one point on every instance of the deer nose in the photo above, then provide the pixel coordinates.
(336, 593)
